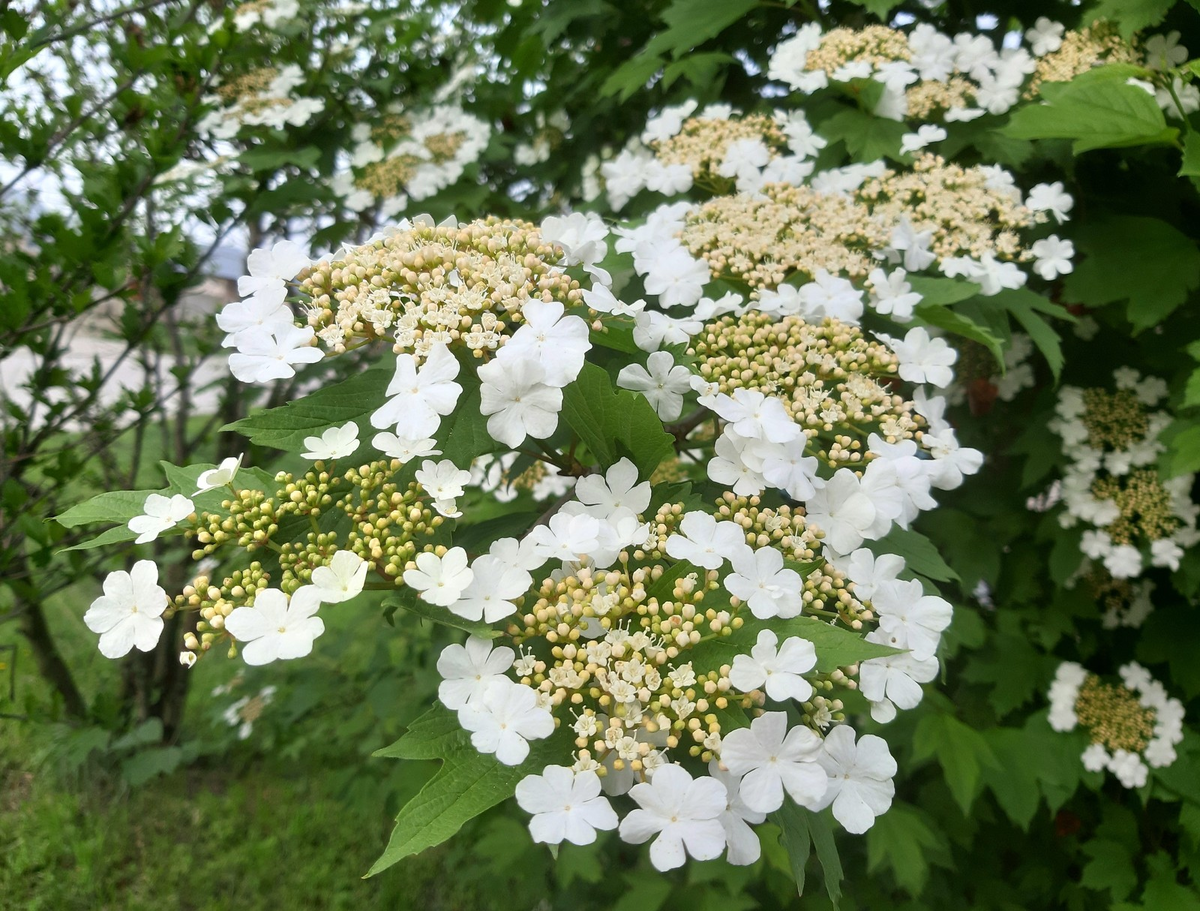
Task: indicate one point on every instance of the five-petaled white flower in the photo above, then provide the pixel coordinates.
(505, 719)
(742, 846)
(263, 357)
(684, 813)
(220, 476)
(468, 670)
(860, 778)
(270, 269)
(558, 343)
(496, 584)
(129, 613)
(772, 759)
(518, 400)
(158, 514)
(276, 628)
(842, 511)
(334, 443)
(440, 580)
(705, 541)
(342, 579)
(924, 358)
(419, 397)
(663, 382)
(760, 579)
(777, 670)
(566, 805)
(617, 488)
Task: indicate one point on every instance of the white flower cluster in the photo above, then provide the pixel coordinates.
(261, 97)
(409, 156)
(1137, 518)
(1133, 727)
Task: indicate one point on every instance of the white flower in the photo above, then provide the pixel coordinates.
(924, 359)
(1045, 37)
(705, 541)
(1165, 552)
(570, 538)
(342, 579)
(683, 813)
(617, 489)
(912, 247)
(445, 482)
(519, 401)
(752, 415)
(158, 514)
(842, 511)
(505, 719)
(220, 476)
(869, 572)
(334, 443)
(440, 580)
(187, 659)
(663, 382)
(778, 670)
(495, 585)
(742, 846)
(468, 670)
(676, 277)
(895, 678)
(566, 806)
(1050, 197)
(403, 448)
(926, 134)
(1164, 52)
(270, 269)
(771, 759)
(892, 295)
(1123, 561)
(860, 778)
(760, 579)
(129, 613)
(253, 316)
(276, 628)
(1053, 257)
(418, 398)
(582, 235)
(558, 343)
(263, 357)
(906, 612)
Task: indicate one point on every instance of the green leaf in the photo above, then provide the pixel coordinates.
(287, 426)
(1110, 867)
(961, 751)
(919, 553)
(467, 784)
(1014, 781)
(867, 137)
(1026, 307)
(112, 506)
(942, 291)
(1132, 15)
(434, 735)
(793, 835)
(1143, 260)
(1096, 114)
(692, 22)
(271, 159)
(880, 8)
(604, 417)
(959, 323)
(1190, 167)
(820, 830)
(904, 842)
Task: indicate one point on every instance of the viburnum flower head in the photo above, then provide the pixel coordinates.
(760, 579)
(777, 670)
(440, 580)
(334, 443)
(342, 579)
(158, 514)
(558, 343)
(129, 613)
(772, 759)
(705, 541)
(505, 720)
(518, 401)
(418, 397)
(860, 774)
(663, 382)
(468, 670)
(276, 628)
(566, 806)
(684, 813)
(220, 476)
(263, 357)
